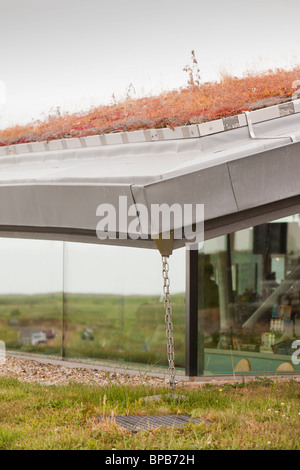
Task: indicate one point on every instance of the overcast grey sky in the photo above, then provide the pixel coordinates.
(77, 53)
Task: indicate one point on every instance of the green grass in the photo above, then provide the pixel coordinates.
(263, 414)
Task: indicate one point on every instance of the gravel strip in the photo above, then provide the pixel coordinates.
(26, 370)
(44, 373)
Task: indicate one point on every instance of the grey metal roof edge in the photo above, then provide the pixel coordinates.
(213, 228)
(244, 219)
(66, 234)
(153, 135)
(241, 186)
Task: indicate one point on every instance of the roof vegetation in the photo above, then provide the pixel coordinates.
(196, 102)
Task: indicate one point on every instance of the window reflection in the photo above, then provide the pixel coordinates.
(89, 301)
(114, 307)
(31, 295)
(249, 298)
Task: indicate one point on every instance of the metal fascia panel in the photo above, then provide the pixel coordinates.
(59, 205)
(266, 177)
(210, 187)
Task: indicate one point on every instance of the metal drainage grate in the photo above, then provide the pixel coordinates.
(144, 423)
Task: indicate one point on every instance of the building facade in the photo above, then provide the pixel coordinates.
(64, 291)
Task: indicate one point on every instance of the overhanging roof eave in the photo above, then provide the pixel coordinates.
(56, 193)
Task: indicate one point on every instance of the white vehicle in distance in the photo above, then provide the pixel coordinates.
(38, 338)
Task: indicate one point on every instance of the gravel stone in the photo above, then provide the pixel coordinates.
(27, 370)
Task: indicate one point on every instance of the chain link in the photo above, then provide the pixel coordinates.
(168, 321)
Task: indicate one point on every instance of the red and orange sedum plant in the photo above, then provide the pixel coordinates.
(195, 103)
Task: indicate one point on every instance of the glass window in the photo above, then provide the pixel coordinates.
(113, 304)
(106, 299)
(31, 275)
(249, 299)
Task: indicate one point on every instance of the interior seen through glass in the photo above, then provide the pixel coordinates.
(249, 299)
